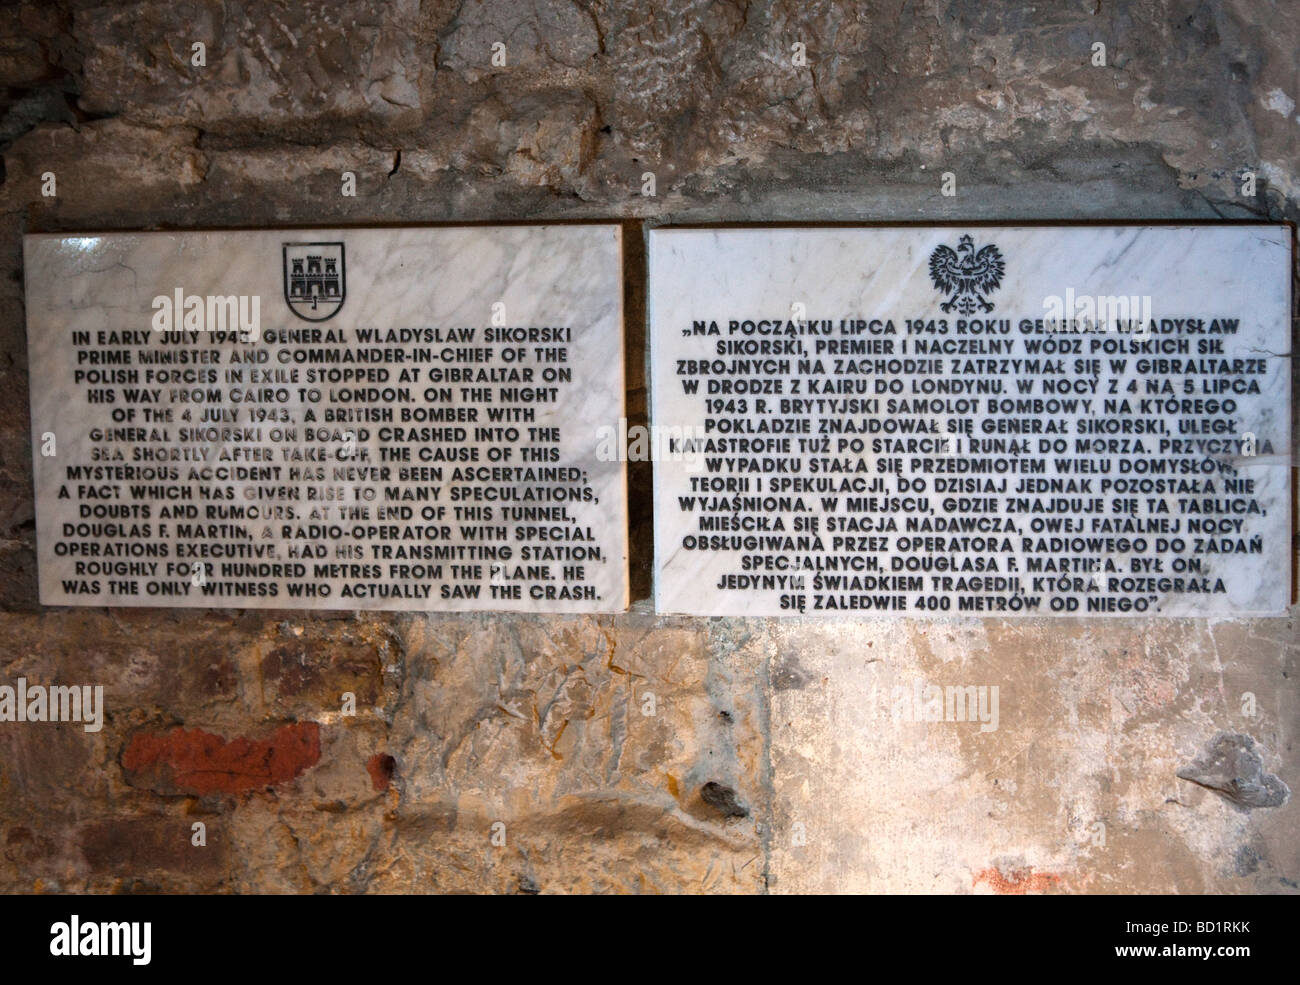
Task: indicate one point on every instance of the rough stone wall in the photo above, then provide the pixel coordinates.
(763, 767)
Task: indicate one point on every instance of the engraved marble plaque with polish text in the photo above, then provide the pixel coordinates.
(981, 421)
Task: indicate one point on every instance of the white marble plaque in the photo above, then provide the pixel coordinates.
(329, 419)
(990, 421)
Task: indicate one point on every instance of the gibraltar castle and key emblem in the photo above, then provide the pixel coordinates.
(967, 275)
(315, 284)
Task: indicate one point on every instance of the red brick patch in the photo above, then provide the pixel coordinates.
(1017, 883)
(191, 761)
(380, 767)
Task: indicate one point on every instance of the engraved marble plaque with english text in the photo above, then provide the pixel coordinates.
(329, 419)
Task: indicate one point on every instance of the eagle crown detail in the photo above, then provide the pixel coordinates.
(967, 275)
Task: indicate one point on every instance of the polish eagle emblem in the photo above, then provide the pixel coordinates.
(967, 275)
